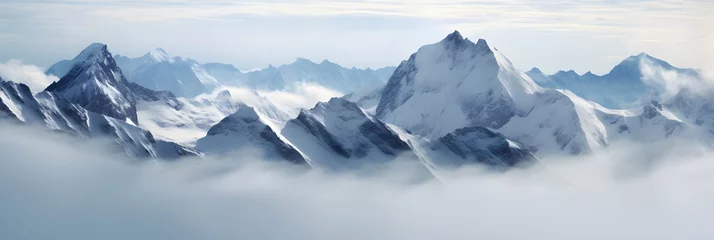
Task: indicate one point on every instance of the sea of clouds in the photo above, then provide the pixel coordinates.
(54, 186)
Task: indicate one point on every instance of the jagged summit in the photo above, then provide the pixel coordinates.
(93, 50)
(98, 85)
(454, 37)
(457, 42)
(246, 130)
(455, 72)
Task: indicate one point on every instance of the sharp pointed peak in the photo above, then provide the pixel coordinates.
(93, 49)
(457, 41)
(454, 36)
(482, 42)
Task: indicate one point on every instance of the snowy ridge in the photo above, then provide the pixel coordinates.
(459, 84)
(631, 83)
(477, 145)
(186, 120)
(455, 83)
(339, 135)
(97, 84)
(245, 129)
(54, 112)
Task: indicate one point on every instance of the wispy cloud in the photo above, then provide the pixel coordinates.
(31, 75)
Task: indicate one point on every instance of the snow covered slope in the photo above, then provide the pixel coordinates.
(51, 110)
(453, 84)
(157, 70)
(186, 120)
(632, 83)
(338, 135)
(97, 84)
(245, 130)
(456, 83)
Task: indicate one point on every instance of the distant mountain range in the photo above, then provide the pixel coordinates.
(635, 81)
(157, 70)
(451, 103)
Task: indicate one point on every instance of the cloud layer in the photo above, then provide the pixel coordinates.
(63, 191)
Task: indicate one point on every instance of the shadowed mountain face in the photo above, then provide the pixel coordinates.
(96, 83)
(53, 111)
(245, 129)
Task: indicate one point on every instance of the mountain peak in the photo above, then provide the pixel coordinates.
(482, 43)
(454, 37)
(91, 51)
(159, 55)
(98, 85)
(570, 73)
(535, 70)
(631, 67)
(303, 61)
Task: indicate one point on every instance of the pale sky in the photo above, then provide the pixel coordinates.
(581, 35)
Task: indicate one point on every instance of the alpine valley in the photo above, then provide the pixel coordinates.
(451, 103)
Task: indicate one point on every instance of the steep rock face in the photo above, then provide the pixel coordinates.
(96, 83)
(338, 134)
(477, 145)
(243, 130)
(52, 111)
(17, 102)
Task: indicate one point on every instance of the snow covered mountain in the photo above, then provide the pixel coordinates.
(157, 70)
(457, 84)
(51, 110)
(246, 130)
(96, 83)
(338, 135)
(326, 73)
(633, 82)
(186, 120)
(453, 84)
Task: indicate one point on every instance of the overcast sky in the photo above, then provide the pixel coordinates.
(581, 35)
